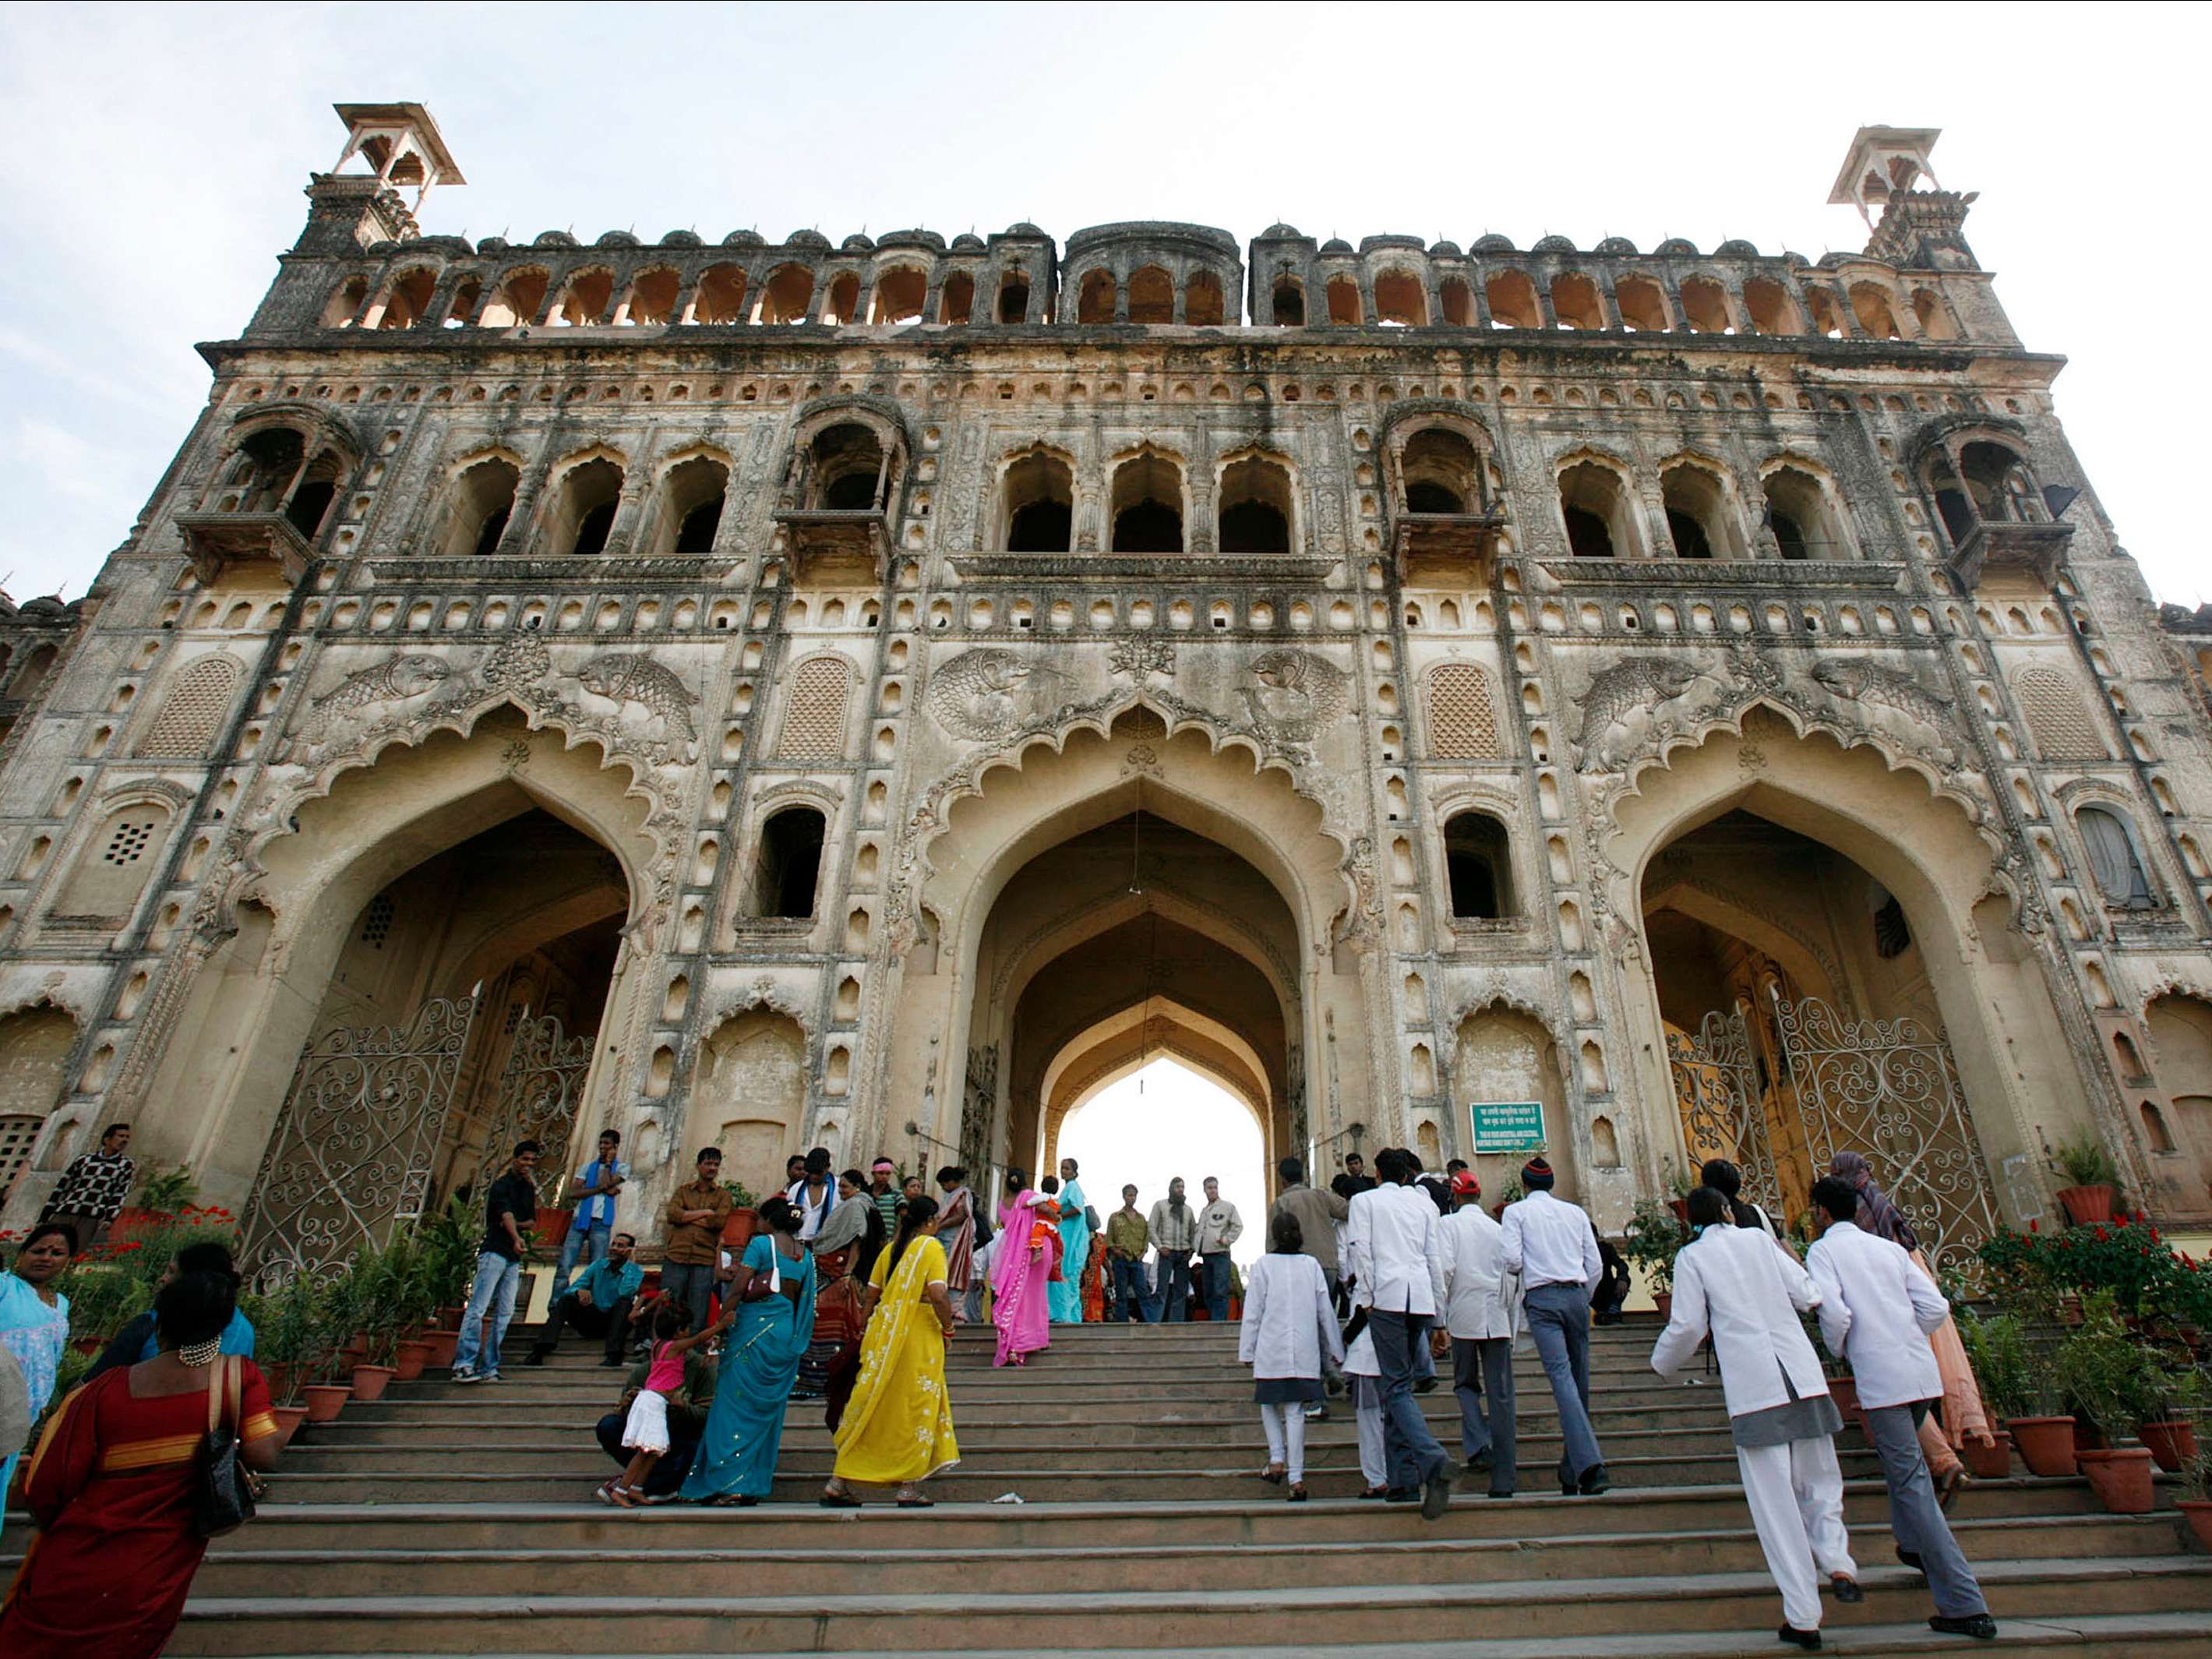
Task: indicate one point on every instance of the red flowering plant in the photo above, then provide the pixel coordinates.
(2126, 1257)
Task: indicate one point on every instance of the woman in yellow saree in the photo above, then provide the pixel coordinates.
(897, 1428)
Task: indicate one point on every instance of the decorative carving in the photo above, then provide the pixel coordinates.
(1462, 712)
(399, 678)
(1616, 694)
(984, 693)
(979, 1093)
(516, 663)
(1140, 657)
(623, 676)
(1299, 695)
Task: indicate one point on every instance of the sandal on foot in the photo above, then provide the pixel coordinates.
(1296, 1493)
(839, 1500)
(917, 1502)
(624, 1498)
(1950, 1487)
(1273, 1474)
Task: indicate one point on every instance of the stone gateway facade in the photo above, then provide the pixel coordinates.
(878, 694)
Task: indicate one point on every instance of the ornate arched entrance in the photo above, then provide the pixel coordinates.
(1817, 978)
(422, 955)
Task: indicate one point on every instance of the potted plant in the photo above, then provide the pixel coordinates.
(1679, 1184)
(449, 1243)
(2197, 1508)
(2093, 1177)
(2169, 1430)
(104, 1294)
(1996, 1348)
(380, 1276)
(2115, 1383)
(1651, 1242)
(160, 1196)
(337, 1307)
(286, 1330)
(743, 1220)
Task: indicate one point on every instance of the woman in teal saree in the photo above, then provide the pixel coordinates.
(769, 1322)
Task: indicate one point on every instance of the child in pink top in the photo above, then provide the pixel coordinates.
(646, 1429)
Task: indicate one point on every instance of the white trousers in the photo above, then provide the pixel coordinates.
(1374, 1460)
(1287, 1437)
(1795, 1491)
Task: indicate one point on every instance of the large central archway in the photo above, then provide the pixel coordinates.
(1128, 893)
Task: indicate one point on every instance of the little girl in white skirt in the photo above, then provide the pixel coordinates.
(645, 1431)
(1289, 1332)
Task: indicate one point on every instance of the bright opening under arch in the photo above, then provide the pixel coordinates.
(1162, 1121)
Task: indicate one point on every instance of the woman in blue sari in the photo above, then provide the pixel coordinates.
(768, 1321)
(1074, 1249)
(34, 1321)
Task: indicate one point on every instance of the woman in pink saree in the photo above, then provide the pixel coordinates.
(1021, 1269)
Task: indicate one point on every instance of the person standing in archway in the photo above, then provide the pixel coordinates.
(1219, 1226)
(90, 1194)
(1020, 1270)
(511, 1206)
(1174, 1226)
(956, 1232)
(1075, 1218)
(1552, 1246)
(1128, 1238)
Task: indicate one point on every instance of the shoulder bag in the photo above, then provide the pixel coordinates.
(222, 1493)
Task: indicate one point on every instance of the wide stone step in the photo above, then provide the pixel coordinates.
(1330, 1444)
(1023, 1594)
(2117, 1636)
(576, 1522)
(985, 1483)
(1421, 1560)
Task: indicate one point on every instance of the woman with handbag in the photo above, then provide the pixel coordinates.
(774, 1294)
(133, 1476)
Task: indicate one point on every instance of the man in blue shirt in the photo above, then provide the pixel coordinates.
(592, 1192)
(598, 1304)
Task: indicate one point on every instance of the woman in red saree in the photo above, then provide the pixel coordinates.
(111, 1487)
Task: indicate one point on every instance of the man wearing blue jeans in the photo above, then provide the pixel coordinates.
(511, 1206)
(1550, 1244)
(1126, 1240)
(1393, 1257)
(1219, 1226)
(1173, 1227)
(592, 1192)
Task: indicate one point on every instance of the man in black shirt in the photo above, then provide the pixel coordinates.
(511, 1206)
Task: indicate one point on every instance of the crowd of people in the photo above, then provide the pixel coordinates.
(852, 1284)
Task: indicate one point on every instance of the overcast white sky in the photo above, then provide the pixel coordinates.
(156, 156)
(1163, 1122)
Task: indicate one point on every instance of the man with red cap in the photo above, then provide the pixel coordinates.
(1550, 1244)
(1482, 1312)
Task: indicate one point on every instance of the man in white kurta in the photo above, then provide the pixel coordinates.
(1739, 1286)
(1482, 1312)
(1877, 1309)
(1395, 1258)
(1550, 1244)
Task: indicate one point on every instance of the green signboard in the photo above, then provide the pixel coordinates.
(1507, 1127)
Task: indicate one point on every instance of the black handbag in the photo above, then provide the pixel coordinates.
(222, 1489)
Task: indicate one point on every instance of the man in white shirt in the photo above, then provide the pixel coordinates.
(1549, 1243)
(1877, 1309)
(814, 1194)
(1482, 1310)
(1739, 1285)
(1394, 1256)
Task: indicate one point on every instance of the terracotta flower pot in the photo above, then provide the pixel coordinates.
(325, 1400)
(288, 1419)
(1845, 1391)
(739, 1230)
(2173, 1444)
(87, 1345)
(356, 1347)
(1681, 1207)
(2121, 1479)
(1664, 1302)
(131, 1222)
(2086, 1206)
(553, 1227)
(1992, 1463)
(441, 1345)
(410, 1358)
(2197, 1511)
(2045, 1444)
(369, 1381)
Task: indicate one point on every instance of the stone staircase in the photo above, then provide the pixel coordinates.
(446, 1521)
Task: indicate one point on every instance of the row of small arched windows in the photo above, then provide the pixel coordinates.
(1603, 517)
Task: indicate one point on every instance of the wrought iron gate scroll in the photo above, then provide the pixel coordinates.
(539, 1091)
(1884, 1088)
(353, 1147)
(1717, 1085)
(1888, 1089)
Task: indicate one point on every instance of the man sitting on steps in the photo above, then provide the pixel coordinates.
(598, 1304)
